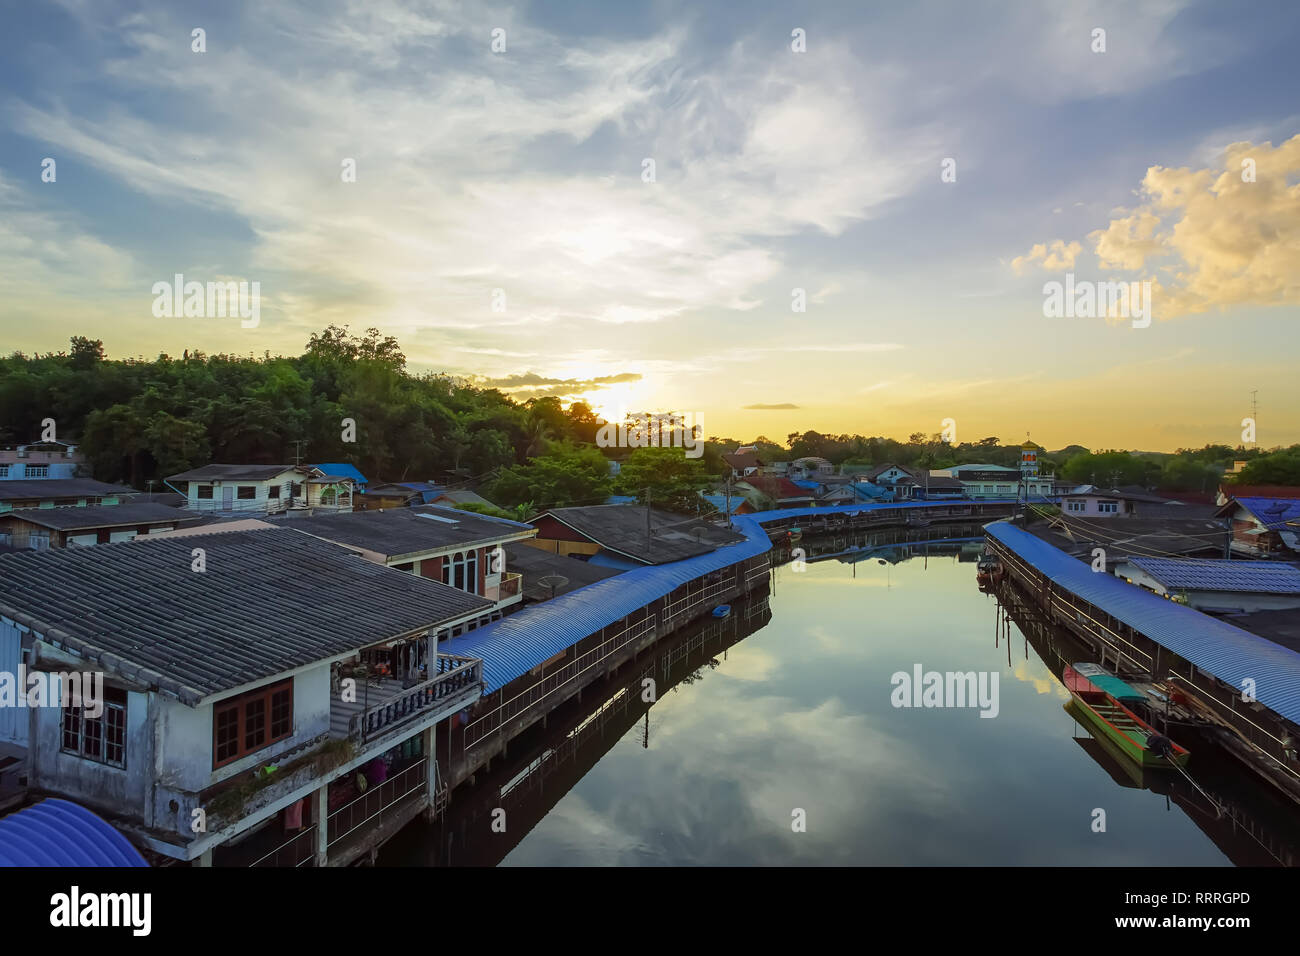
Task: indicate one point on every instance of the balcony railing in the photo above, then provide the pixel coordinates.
(507, 588)
(453, 676)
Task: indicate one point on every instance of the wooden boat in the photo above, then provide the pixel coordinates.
(794, 534)
(989, 571)
(1100, 698)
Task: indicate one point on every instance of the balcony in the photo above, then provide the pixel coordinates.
(508, 587)
(384, 704)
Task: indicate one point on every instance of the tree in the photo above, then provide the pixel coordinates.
(86, 352)
(566, 475)
(1280, 467)
(666, 477)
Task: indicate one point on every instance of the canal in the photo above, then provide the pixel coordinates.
(774, 739)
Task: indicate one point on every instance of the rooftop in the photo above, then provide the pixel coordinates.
(1141, 536)
(534, 564)
(622, 530)
(235, 472)
(101, 516)
(269, 601)
(1265, 577)
(60, 488)
(396, 532)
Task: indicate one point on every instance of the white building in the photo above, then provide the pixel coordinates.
(262, 489)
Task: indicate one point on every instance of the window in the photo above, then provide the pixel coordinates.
(460, 570)
(205, 491)
(4, 471)
(101, 739)
(247, 492)
(273, 491)
(37, 471)
(1108, 507)
(1074, 506)
(249, 722)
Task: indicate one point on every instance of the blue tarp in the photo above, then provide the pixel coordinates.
(61, 833)
(1229, 653)
(518, 643)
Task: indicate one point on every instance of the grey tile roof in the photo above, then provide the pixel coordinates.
(395, 532)
(534, 563)
(622, 529)
(270, 601)
(233, 472)
(59, 488)
(100, 516)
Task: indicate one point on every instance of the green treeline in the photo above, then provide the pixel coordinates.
(140, 420)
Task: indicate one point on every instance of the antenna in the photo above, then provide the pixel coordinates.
(1254, 415)
(297, 453)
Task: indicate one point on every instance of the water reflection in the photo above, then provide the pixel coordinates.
(785, 706)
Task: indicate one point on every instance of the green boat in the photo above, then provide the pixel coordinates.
(1099, 698)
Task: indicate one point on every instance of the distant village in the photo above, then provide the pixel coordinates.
(299, 659)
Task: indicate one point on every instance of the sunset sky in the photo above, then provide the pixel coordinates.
(775, 170)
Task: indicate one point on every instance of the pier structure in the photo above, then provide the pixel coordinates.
(1242, 684)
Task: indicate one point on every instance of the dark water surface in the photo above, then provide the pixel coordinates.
(787, 706)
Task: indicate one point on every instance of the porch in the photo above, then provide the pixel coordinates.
(384, 704)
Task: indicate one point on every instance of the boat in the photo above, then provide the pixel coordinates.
(989, 571)
(794, 534)
(1105, 703)
(722, 610)
(915, 522)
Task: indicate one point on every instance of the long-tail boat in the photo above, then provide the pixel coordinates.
(1101, 700)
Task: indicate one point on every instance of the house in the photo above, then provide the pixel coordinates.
(888, 474)
(1217, 587)
(262, 489)
(461, 549)
(1261, 517)
(627, 536)
(460, 496)
(343, 469)
(41, 460)
(739, 505)
(400, 494)
(810, 467)
(829, 490)
(60, 493)
(928, 487)
(41, 528)
(235, 711)
(743, 462)
(999, 481)
(1090, 501)
(771, 491)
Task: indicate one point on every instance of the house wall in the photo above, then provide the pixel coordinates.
(185, 734)
(124, 791)
(1246, 600)
(1092, 506)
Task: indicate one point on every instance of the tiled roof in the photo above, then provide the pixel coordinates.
(269, 601)
(775, 487)
(400, 531)
(45, 488)
(1266, 577)
(101, 516)
(622, 529)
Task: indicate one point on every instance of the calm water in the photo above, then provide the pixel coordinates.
(797, 713)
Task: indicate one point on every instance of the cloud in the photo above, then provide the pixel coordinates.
(1053, 256)
(534, 385)
(1228, 241)
(783, 406)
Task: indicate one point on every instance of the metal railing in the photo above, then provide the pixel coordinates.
(451, 675)
(554, 682)
(298, 850)
(360, 811)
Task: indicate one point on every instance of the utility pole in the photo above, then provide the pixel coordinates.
(1254, 416)
(297, 455)
(647, 519)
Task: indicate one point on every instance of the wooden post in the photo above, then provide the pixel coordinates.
(322, 824)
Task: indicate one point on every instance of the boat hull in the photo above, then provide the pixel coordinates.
(1124, 729)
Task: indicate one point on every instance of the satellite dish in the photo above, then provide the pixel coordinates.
(552, 581)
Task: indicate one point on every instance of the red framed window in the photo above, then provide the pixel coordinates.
(245, 724)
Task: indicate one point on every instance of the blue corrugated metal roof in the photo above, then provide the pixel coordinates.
(343, 470)
(1274, 513)
(1229, 653)
(518, 643)
(603, 559)
(719, 501)
(60, 833)
(621, 500)
(1268, 577)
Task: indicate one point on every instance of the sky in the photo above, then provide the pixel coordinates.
(628, 203)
